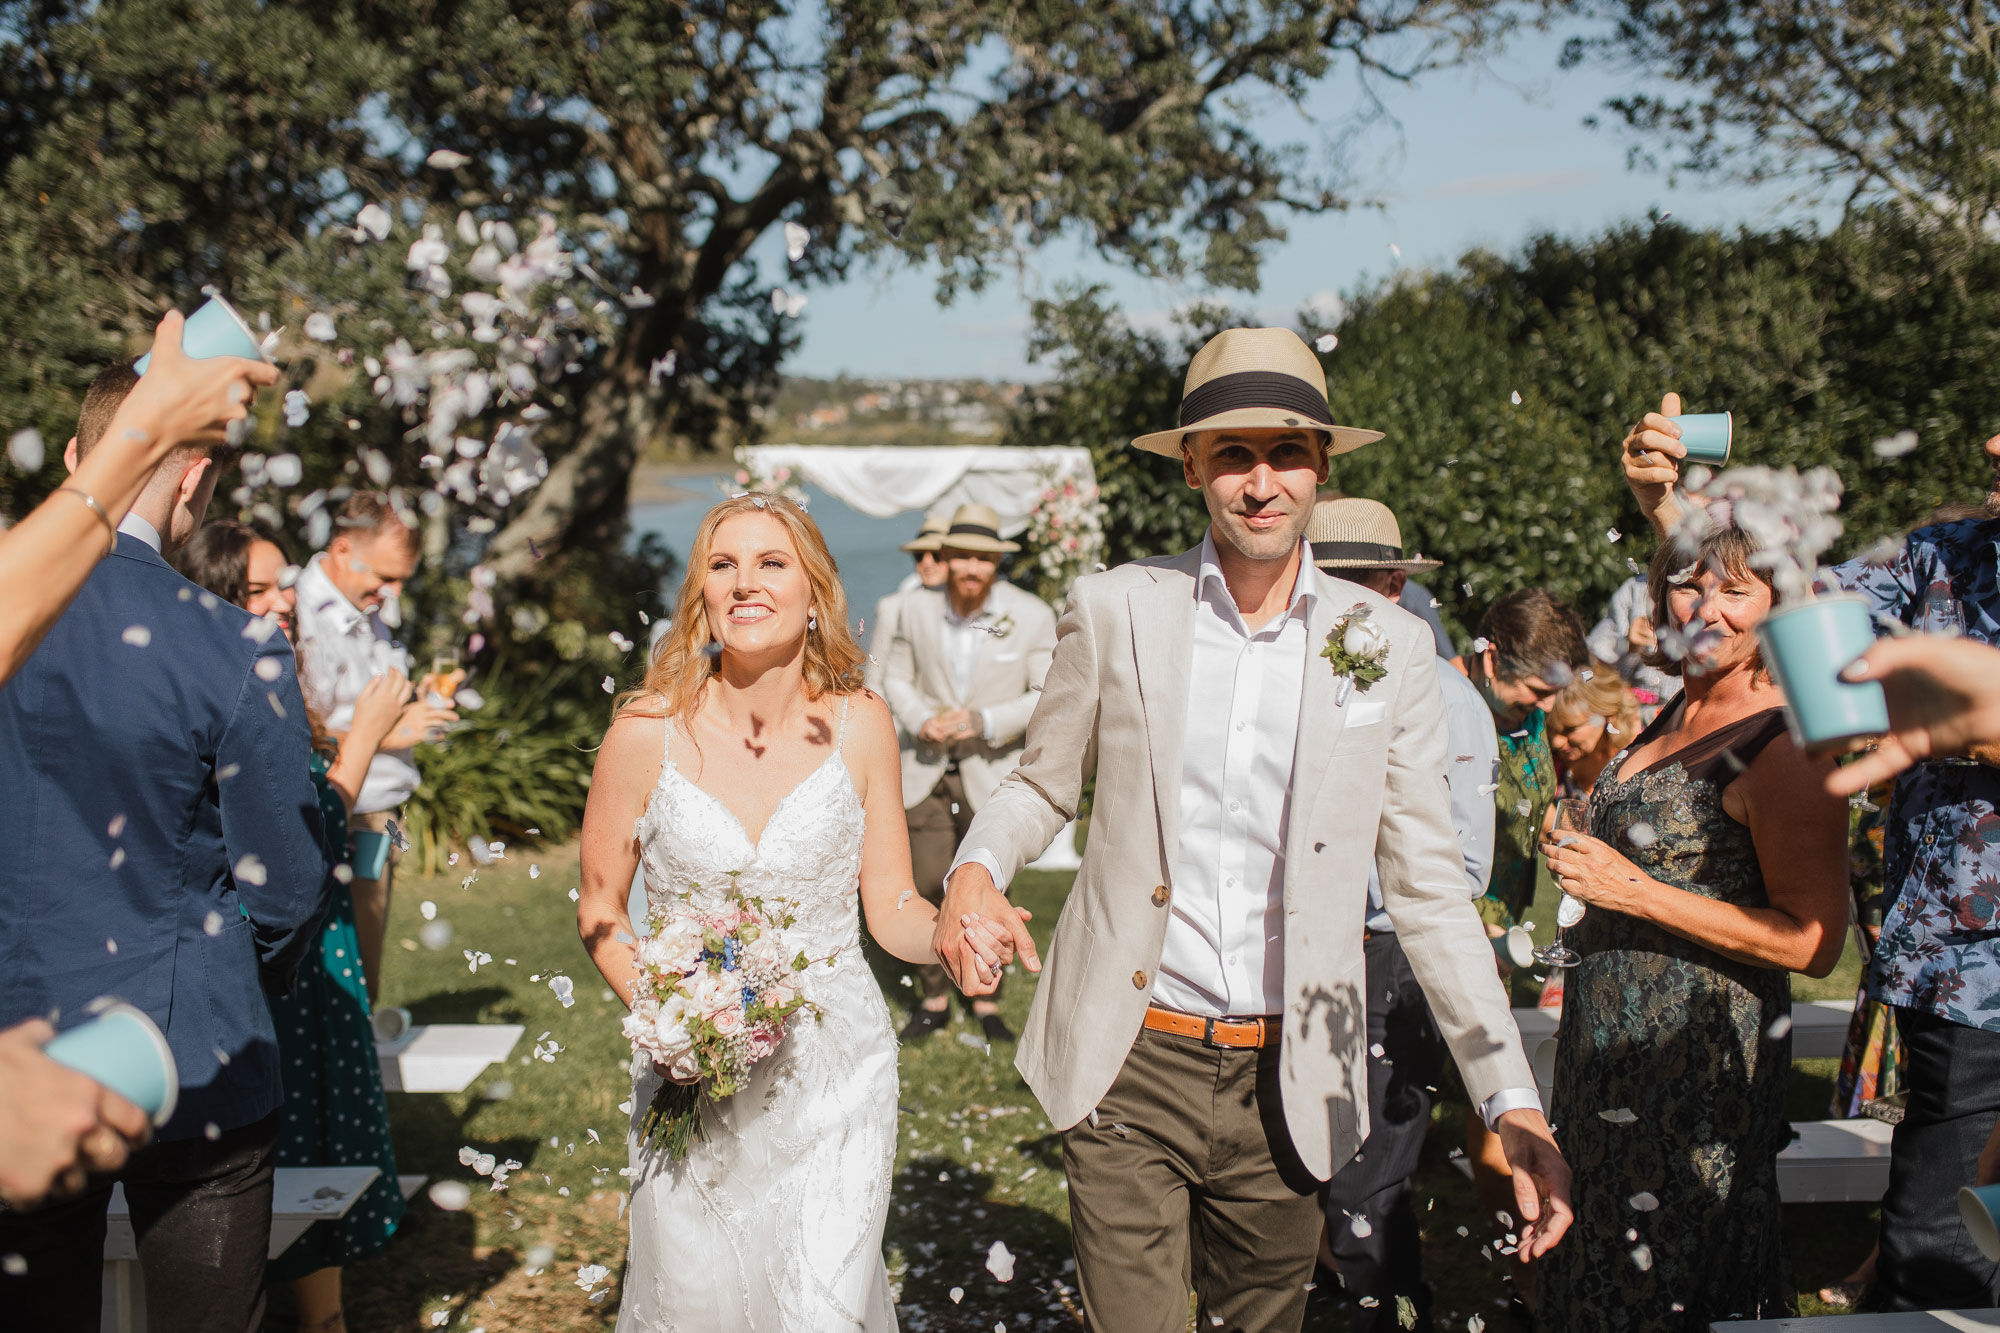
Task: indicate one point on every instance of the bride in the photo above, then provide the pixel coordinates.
(752, 755)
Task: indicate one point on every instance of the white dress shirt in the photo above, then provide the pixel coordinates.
(963, 636)
(1224, 952)
(134, 526)
(341, 648)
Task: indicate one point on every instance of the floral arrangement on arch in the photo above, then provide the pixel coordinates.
(1065, 536)
(752, 475)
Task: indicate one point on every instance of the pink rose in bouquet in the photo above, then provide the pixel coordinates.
(715, 993)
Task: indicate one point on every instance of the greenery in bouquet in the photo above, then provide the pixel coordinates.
(715, 994)
(1065, 536)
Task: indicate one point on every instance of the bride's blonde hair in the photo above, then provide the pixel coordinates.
(686, 658)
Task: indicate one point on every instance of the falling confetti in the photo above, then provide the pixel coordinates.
(1360, 1226)
(26, 450)
(1326, 342)
(444, 159)
(268, 669)
(788, 304)
(1612, 535)
(428, 910)
(435, 934)
(137, 635)
(1644, 1201)
(608, 687)
(320, 327)
(1641, 834)
(565, 990)
(211, 925)
(796, 240)
(251, 870)
(1780, 1026)
(1895, 446)
(1643, 1257)
(1515, 397)
(1620, 1116)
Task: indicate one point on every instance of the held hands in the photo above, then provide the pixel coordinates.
(972, 906)
(1944, 702)
(378, 707)
(956, 725)
(1588, 870)
(1541, 1180)
(56, 1125)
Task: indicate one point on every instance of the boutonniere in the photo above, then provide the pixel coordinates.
(1356, 648)
(1000, 628)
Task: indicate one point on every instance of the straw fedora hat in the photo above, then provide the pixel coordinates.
(1351, 533)
(1260, 379)
(929, 537)
(976, 527)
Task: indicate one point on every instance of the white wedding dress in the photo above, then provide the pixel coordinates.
(774, 1222)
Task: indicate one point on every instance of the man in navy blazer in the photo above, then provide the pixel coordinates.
(163, 847)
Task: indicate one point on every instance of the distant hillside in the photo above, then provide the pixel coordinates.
(888, 411)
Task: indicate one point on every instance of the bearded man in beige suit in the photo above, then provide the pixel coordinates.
(965, 661)
(1199, 1036)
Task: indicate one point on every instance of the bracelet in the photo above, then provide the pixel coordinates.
(90, 502)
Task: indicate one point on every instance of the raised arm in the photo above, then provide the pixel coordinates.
(628, 768)
(1652, 455)
(270, 813)
(46, 557)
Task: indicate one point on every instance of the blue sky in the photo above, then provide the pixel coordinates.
(1474, 158)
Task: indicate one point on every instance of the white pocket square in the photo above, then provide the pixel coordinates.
(1366, 712)
(1006, 657)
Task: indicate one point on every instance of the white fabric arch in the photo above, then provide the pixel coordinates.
(883, 481)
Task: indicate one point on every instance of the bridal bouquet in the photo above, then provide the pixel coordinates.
(714, 995)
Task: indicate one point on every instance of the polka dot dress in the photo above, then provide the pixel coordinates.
(335, 1112)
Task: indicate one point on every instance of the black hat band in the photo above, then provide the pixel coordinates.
(973, 530)
(1255, 388)
(1375, 553)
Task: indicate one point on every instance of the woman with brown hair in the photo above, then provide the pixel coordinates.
(1713, 864)
(753, 763)
(335, 1111)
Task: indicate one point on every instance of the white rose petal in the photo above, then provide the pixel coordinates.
(444, 159)
(251, 870)
(319, 327)
(137, 635)
(1644, 1201)
(1000, 1261)
(451, 1195)
(796, 240)
(26, 450)
(1620, 1116)
(372, 221)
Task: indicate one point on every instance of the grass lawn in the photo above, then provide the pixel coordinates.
(976, 1160)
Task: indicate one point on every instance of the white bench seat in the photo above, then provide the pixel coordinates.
(300, 1196)
(444, 1057)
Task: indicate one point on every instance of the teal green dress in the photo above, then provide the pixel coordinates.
(335, 1110)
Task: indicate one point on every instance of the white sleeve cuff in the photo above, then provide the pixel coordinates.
(986, 734)
(979, 856)
(1508, 1099)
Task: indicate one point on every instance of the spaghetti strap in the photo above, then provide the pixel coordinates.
(666, 742)
(840, 736)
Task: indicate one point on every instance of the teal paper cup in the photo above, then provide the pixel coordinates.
(214, 330)
(1706, 436)
(368, 853)
(1979, 1205)
(1806, 646)
(123, 1050)
(1516, 948)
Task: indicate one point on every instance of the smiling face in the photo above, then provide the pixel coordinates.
(1577, 740)
(970, 577)
(756, 591)
(267, 591)
(1720, 610)
(1258, 485)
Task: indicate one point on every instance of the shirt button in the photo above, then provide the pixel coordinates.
(1228, 883)
(1160, 895)
(1239, 726)
(1138, 981)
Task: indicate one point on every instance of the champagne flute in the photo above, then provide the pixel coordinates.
(445, 675)
(1570, 819)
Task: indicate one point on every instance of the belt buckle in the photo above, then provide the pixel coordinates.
(1208, 1034)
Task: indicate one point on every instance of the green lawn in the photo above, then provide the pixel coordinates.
(976, 1162)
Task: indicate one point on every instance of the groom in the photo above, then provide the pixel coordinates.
(1200, 1036)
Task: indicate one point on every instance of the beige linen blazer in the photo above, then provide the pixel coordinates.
(1368, 788)
(918, 685)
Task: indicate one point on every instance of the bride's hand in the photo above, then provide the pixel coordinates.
(992, 943)
(668, 1074)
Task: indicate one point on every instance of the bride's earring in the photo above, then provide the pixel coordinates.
(812, 621)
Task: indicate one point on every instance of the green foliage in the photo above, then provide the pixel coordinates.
(1819, 345)
(517, 770)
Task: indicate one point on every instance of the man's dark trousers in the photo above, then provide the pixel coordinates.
(1386, 1261)
(1928, 1260)
(201, 1212)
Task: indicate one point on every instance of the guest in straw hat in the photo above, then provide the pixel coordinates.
(962, 674)
(1377, 543)
(1262, 736)
(929, 573)
(1380, 1260)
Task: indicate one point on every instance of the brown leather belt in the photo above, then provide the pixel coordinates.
(1247, 1034)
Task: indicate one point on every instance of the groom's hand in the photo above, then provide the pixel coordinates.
(971, 891)
(1541, 1180)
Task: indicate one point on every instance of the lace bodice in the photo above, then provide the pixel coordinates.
(809, 854)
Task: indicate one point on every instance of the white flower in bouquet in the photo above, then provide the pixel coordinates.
(1364, 638)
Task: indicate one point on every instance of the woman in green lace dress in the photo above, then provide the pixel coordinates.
(1714, 866)
(335, 1112)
